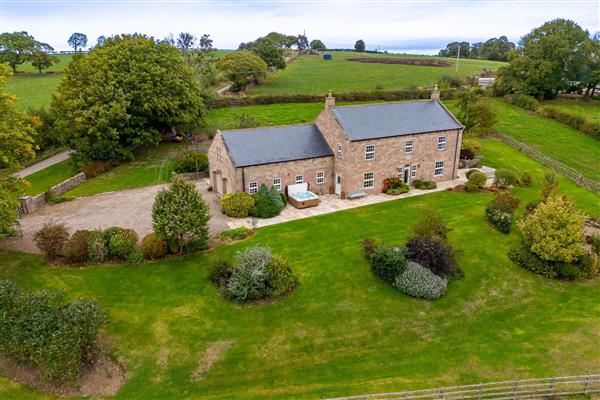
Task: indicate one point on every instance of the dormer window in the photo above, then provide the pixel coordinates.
(370, 152)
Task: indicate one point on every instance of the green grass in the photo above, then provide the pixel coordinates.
(32, 90)
(268, 115)
(342, 332)
(65, 59)
(43, 180)
(588, 109)
(153, 165)
(313, 75)
(557, 140)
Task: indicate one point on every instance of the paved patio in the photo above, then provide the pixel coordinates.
(332, 203)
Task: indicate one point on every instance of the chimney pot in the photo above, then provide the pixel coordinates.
(329, 100)
(435, 93)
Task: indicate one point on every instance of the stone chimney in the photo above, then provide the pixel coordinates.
(435, 93)
(330, 100)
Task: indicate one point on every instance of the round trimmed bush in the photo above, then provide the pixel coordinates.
(265, 206)
(51, 239)
(122, 243)
(190, 161)
(237, 205)
(503, 178)
(281, 277)
(525, 180)
(418, 281)
(154, 246)
(432, 253)
(75, 250)
(387, 262)
(469, 172)
(478, 179)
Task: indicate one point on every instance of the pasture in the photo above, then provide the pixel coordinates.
(310, 74)
(588, 109)
(342, 331)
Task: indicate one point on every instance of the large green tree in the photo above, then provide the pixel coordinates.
(17, 137)
(77, 41)
(359, 46)
(476, 112)
(548, 57)
(16, 48)
(242, 67)
(497, 49)
(316, 44)
(266, 49)
(41, 57)
(125, 94)
(451, 50)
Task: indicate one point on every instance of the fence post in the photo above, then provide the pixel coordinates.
(479, 391)
(551, 385)
(514, 388)
(585, 384)
(441, 393)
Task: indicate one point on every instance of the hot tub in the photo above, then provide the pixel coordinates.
(300, 197)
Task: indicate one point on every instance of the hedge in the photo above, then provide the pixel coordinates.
(39, 329)
(575, 121)
(388, 95)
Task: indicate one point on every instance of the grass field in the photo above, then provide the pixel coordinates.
(557, 140)
(153, 165)
(588, 109)
(313, 75)
(342, 332)
(48, 177)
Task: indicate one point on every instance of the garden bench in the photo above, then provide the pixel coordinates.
(355, 194)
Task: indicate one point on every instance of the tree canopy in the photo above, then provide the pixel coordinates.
(41, 57)
(125, 94)
(77, 41)
(495, 49)
(359, 46)
(316, 44)
(17, 137)
(548, 57)
(16, 48)
(451, 50)
(267, 50)
(243, 66)
(476, 112)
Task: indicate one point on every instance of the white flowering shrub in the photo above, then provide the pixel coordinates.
(418, 281)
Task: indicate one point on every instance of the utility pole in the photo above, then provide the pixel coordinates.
(457, 58)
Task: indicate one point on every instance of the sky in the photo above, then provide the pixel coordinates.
(417, 26)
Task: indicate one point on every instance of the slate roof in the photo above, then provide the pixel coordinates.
(394, 119)
(275, 144)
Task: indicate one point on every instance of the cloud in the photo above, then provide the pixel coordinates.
(413, 24)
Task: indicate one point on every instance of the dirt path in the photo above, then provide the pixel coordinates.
(38, 166)
(128, 208)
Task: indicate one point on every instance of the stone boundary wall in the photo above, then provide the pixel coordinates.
(190, 176)
(30, 204)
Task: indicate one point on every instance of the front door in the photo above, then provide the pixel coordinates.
(406, 174)
(338, 184)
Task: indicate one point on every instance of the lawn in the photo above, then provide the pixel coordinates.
(43, 180)
(153, 165)
(588, 109)
(557, 140)
(342, 332)
(310, 74)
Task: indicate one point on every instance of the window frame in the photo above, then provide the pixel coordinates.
(252, 187)
(321, 178)
(436, 168)
(406, 146)
(339, 151)
(413, 171)
(442, 143)
(277, 185)
(370, 179)
(219, 153)
(301, 179)
(369, 152)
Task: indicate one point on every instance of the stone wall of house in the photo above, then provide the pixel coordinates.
(391, 158)
(287, 172)
(224, 176)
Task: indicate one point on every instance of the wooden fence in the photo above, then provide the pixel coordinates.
(550, 162)
(515, 389)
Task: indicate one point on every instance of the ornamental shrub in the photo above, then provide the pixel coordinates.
(418, 281)
(153, 246)
(75, 249)
(237, 205)
(254, 257)
(51, 239)
(190, 161)
(236, 233)
(432, 253)
(527, 259)
(503, 178)
(549, 187)
(281, 277)
(431, 224)
(470, 187)
(424, 185)
(478, 179)
(554, 230)
(525, 180)
(471, 171)
(180, 216)
(394, 186)
(470, 144)
(388, 262)
(369, 246)
(39, 329)
(220, 272)
(505, 201)
(122, 243)
(467, 154)
(97, 251)
(499, 219)
(524, 101)
(265, 206)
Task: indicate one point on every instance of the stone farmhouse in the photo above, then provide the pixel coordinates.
(348, 150)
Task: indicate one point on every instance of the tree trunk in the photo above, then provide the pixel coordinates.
(14, 68)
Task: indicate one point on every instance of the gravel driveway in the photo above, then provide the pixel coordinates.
(128, 208)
